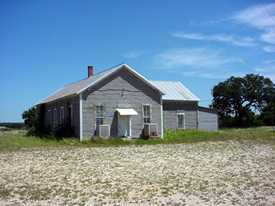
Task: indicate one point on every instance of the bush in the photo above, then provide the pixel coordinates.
(33, 121)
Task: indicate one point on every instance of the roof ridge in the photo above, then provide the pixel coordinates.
(110, 68)
(81, 85)
(105, 70)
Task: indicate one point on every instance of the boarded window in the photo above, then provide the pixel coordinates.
(70, 114)
(61, 115)
(181, 121)
(146, 113)
(54, 117)
(49, 117)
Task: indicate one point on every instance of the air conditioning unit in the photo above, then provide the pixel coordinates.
(104, 130)
(150, 130)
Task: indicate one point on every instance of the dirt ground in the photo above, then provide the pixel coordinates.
(209, 173)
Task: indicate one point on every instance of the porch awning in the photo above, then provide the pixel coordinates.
(127, 111)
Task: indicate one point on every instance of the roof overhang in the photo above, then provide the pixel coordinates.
(54, 100)
(180, 100)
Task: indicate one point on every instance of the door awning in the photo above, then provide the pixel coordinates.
(127, 111)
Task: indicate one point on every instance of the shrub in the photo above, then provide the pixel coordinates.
(33, 121)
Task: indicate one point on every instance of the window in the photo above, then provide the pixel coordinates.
(70, 114)
(99, 115)
(146, 113)
(61, 115)
(181, 121)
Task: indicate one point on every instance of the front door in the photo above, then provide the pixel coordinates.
(123, 126)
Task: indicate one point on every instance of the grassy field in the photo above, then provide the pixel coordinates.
(16, 139)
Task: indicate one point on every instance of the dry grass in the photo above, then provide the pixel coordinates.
(205, 173)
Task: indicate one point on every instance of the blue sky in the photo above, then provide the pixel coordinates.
(46, 44)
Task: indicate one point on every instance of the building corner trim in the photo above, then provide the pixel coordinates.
(80, 118)
(161, 119)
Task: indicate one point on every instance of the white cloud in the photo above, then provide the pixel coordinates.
(132, 54)
(269, 49)
(261, 17)
(225, 38)
(194, 36)
(269, 36)
(211, 75)
(201, 62)
(195, 57)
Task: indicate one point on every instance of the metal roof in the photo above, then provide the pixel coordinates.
(80, 86)
(73, 88)
(171, 90)
(175, 90)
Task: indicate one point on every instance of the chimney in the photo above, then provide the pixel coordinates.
(90, 71)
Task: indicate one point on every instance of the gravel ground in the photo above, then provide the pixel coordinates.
(211, 173)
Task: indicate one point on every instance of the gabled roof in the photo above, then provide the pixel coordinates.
(78, 87)
(175, 90)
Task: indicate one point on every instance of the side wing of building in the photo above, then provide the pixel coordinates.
(208, 119)
(62, 112)
(174, 111)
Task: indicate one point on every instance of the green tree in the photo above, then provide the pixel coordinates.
(32, 120)
(239, 100)
(268, 112)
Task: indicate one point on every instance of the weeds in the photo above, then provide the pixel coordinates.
(18, 140)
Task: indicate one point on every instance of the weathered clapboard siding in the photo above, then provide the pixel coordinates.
(208, 120)
(122, 87)
(172, 108)
(120, 90)
(65, 102)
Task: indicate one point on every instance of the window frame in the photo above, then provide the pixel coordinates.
(101, 114)
(146, 116)
(181, 114)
